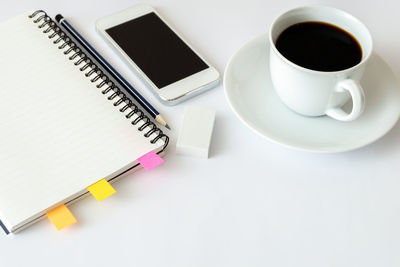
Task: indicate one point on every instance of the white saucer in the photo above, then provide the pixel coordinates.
(250, 93)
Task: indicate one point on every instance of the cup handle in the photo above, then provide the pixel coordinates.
(357, 96)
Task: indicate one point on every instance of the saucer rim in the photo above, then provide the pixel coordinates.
(275, 140)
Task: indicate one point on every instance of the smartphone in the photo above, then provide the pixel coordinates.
(167, 64)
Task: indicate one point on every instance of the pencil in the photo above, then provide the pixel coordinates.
(138, 97)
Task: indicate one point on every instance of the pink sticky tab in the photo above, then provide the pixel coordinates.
(150, 160)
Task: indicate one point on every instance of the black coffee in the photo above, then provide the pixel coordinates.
(319, 46)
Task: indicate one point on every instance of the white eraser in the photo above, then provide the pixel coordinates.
(195, 135)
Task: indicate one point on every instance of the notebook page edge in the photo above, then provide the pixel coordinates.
(114, 177)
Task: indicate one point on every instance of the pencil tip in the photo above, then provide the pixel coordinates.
(162, 121)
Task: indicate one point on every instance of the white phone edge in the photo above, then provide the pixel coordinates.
(174, 93)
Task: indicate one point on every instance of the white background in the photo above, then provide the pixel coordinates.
(253, 203)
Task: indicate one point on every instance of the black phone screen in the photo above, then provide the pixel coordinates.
(156, 49)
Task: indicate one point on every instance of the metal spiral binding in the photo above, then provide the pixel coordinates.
(50, 27)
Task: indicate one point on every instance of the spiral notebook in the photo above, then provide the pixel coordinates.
(64, 124)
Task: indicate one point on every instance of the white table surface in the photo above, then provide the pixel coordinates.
(253, 203)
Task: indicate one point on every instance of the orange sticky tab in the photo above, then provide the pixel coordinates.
(61, 217)
(101, 190)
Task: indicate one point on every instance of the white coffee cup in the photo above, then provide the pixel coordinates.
(315, 93)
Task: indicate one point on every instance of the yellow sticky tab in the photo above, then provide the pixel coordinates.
(61, 217)
(101, 190)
